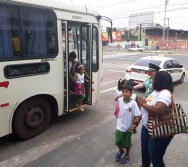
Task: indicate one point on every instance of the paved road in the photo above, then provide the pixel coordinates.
(96, 148)
(86, 139)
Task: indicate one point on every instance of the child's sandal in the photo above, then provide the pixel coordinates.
(118, 155)
(124, 160)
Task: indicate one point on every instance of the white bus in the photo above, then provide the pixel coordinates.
(34, 34)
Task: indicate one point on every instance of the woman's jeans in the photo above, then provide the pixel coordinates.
(153, 150)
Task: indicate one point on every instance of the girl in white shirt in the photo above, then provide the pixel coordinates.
(79, 86)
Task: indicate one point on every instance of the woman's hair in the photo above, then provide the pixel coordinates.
(120, 83)
(163, 80)
(127, 86)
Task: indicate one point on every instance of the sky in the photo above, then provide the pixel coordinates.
(119, 11)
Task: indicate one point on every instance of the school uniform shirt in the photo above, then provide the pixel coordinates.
(149, 86)
(126, 114)
(162, 96)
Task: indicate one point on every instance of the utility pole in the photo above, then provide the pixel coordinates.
(168, 32)
(166, 2)
(140, 32)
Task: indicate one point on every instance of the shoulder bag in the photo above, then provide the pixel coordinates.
(174, 121)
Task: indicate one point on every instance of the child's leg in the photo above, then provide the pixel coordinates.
(120, 149)
(118, 142)
(127, 151)
(128, 144)
(80, 104)
(120, 153)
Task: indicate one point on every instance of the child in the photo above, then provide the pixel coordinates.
(128, 119)
(118, 93)
(79, 86)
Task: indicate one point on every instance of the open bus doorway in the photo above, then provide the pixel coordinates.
(76, 37)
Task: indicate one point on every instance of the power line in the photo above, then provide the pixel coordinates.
(143, 9)
(115, 4)
(169, 10)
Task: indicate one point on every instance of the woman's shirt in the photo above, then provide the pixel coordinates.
(162, 96)
(149, 86)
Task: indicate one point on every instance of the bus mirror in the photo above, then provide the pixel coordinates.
(109, 29)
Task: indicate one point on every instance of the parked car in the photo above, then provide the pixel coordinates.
(138, 72)
(136, 48)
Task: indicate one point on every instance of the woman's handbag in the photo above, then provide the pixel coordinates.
(159, 127)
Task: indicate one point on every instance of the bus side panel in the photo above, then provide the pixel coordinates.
(97, 76)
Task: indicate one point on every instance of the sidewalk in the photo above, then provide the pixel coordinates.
(96, 149)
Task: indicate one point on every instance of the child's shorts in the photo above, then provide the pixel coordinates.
(123, 139)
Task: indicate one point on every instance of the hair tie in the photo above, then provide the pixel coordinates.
(80, 66)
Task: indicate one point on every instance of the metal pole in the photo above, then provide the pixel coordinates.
(166, 2)
(140, 32)
(128, 31)
(168, 34)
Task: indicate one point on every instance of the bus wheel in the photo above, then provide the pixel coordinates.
(32, 118)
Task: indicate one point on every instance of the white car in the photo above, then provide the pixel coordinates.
(138, 72)
(136, 49)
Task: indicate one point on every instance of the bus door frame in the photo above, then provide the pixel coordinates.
(89, 58)
(67, 65)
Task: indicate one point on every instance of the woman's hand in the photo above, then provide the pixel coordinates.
(141, 101)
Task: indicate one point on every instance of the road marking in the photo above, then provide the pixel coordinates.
(116, 71)
(107, 90)
(117, 66)
(109, 82)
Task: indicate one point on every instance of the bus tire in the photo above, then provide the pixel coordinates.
(31, 118)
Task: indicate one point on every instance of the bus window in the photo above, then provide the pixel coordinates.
(33, 34)
(85, 45)
(95, 65)
(9, 31)
(39, 35)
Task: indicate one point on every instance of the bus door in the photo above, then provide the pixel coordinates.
(86, 53)
(66, 65)
(78, 38)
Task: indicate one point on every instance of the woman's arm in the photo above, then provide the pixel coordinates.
(139, 86)
(158, 109)
(117, 97)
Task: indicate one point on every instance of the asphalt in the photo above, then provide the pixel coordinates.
(96, 149)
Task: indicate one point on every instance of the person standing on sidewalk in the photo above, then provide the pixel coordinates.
(128, 120)
(147, 84)
(156, 104)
